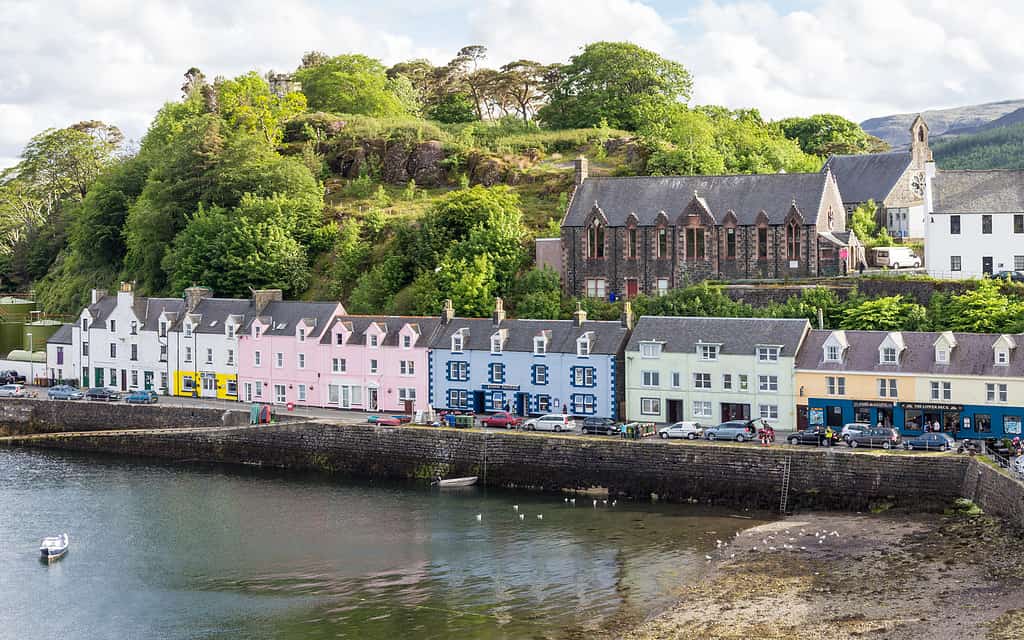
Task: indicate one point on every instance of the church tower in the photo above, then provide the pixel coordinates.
(919, 150)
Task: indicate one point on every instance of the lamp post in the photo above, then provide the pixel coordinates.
(31, 361)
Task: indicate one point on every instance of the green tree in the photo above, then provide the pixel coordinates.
(247, 104)
(537, 295)
(469, 283)
(453, 108)
(353, 83)
(827, 134)
(889, 313)
(702, 299)
(614, 82)
(59, 163)
(351, 256)
(985, 309)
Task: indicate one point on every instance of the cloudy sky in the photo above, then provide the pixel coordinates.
(119, 60)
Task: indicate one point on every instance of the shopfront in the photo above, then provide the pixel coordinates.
(833, 412)
(963, 421)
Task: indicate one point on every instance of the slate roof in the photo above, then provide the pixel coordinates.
(287, 313)
(359, 325)
(973, 355)
(745, 195)
(148, 310)
(608, 335)
(737, 336)
(62, 335)
(102, 308)
(978, 192)
(214, 313)
(868, 176)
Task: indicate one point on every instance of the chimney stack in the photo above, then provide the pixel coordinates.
(125, 294)
(581, 170)
(194, 295)
(97, 295)
(499, 312)
(627, 315)
(821, 318)
(579, 316)
(262, 297)
(448, 312)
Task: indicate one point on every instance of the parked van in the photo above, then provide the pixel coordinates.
(895, 257)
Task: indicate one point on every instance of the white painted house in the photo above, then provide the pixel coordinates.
(711, 370)
(62, 358)
(122, 342)
(976, 223)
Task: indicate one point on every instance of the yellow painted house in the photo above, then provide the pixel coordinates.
(968, 385)
(207, 346)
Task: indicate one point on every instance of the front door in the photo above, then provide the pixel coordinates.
(522, 403)
(124, 380)
(209, 385)
(631, 288)
(147, 380)
(371, 398)
(99, 376)
(801, 417)
(346, 397)
(986, 265)
(674, 410)
(247, 387)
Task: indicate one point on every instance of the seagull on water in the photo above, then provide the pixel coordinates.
(521, 516)
(479, 517)
(540, 516)
(515, 507)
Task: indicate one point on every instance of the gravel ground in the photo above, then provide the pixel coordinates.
(826, 576)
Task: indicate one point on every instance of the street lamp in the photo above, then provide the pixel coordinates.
(31, 361)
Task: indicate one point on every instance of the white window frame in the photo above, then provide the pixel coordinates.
(888, 355)
(768, 383)
(702, 381)
(257, 359)
(727, 381)
(833, 353)
(496, 344)
(662, 285)
(374, 365)
(768, 354)
(300, 360)
(279, 360)
(769, 412)
(301, 394)
(701, 408)
(650, 378)
(677, 380)
(596, 287)
(407, 367)
(650, 350)
(583, 347)
(540, 346)
(650, 406)
(707, 352)
(1002, 358)
(280, 393)
(457, 343)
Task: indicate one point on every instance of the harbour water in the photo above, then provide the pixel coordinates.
(183, 551)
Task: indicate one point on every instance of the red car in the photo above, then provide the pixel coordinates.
(502, 419)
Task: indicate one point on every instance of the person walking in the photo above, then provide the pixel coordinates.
(829, 434)
(860, 267)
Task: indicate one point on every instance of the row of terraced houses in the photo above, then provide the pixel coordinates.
(663, 369)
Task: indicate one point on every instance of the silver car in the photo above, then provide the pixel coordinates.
(12, 391)
(738, 430)
(550, 422)
(689, 430)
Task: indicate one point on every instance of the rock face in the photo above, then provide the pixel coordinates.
(426, 164)
(398, 162)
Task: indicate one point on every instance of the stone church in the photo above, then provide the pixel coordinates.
(624, 236)
(895, 181)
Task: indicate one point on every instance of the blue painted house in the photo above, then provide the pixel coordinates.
(531, 367)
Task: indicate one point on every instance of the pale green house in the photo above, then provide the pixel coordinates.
(711, 370)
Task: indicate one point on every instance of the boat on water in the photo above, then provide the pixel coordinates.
(456, 482)
(54, 548)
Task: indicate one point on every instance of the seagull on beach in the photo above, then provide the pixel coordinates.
(479, 517)
(515, 507)
(540, 516)
(708, 558)
(521, 516)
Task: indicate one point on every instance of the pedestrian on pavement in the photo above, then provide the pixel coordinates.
(860, 267)
(828, 436)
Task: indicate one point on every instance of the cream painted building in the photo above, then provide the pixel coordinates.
(711, 370)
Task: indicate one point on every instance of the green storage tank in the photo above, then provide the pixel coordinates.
(11, 337)
(16, 309)
(40, 330)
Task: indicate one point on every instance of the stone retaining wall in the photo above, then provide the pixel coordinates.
(26, 416)
(737, 475)
(995, 492)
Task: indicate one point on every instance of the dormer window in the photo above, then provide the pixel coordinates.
(457, 343)
(888, 355)
(540, 346)
(942, 356)
(1002, 358)
(85, 324)
(832, 353)
(707, 352)
(163, 328)
(256, 331)
(768, 354)
(187, 328)
(583, 346)
(231, 330)
(113, 326)
(407, 342)
(650, 349)
(496, 343)
(374, 340)
(339, 338)
(302, 334)
(135, 328)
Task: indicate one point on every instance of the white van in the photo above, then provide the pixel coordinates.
(895, 257)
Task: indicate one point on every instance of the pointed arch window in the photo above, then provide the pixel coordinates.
(631, 243)
(662, 242)
(595, 240)
(793, 240)
(695, 243)
(730, 242)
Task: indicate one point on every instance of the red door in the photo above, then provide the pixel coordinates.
(631, 288)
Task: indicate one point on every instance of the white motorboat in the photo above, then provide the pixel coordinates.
(456, 482)
(54, 548)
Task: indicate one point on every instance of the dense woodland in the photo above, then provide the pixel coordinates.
(998, 148)
(304, 181)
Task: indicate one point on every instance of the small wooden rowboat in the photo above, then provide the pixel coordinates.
(54, 548)
(456, 482)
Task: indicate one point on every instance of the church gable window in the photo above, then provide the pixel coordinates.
(762, 243)
(730, 242)
(631, 243)
(662, 242)
(793, 240)
(695, 243)
(595, 240)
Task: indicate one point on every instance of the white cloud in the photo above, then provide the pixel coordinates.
(119, 60)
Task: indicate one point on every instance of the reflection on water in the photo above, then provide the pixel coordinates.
(165, 551)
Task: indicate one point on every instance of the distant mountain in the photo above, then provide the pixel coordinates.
(895, 129)
(989, 147)
(1012, 118)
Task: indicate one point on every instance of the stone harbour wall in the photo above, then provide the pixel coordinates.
(26, 416)
(995, 492)
(736, 475)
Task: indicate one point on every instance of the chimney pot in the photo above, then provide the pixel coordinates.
(262, 297)
(627, 315)
(579, 316)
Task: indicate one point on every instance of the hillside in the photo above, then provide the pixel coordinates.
(997, 148)
(1010, 119)
(894, 128)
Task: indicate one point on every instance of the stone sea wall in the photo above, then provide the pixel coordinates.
(28, 416)
(737, 475)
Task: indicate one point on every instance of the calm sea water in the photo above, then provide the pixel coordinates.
(179, 551)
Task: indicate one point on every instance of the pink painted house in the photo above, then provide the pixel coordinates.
(376, 363)
(279, 353)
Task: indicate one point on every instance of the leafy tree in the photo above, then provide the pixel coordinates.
(470, 283)
(60, 163)
(695, 300)
(984, 309)
(523, 81)
(614, 82)
(453, 108)
(97, 233)
(826, 134)
(889, 313)
(537, 295)
(247, 104)
(351, 255)
(350, 84)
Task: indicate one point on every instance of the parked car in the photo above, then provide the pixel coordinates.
(64, 392)
(931, 441)
(1018, 465)
(502, 419)
(688, 430)
(885, 438)
(738, 430)
(851, 428)
(142, 396)
(102, 393)
(12, 391)
(815, 436)
(896, 257)
(12, 377)
(1013, 276)
(550, 422)
(601, 426)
